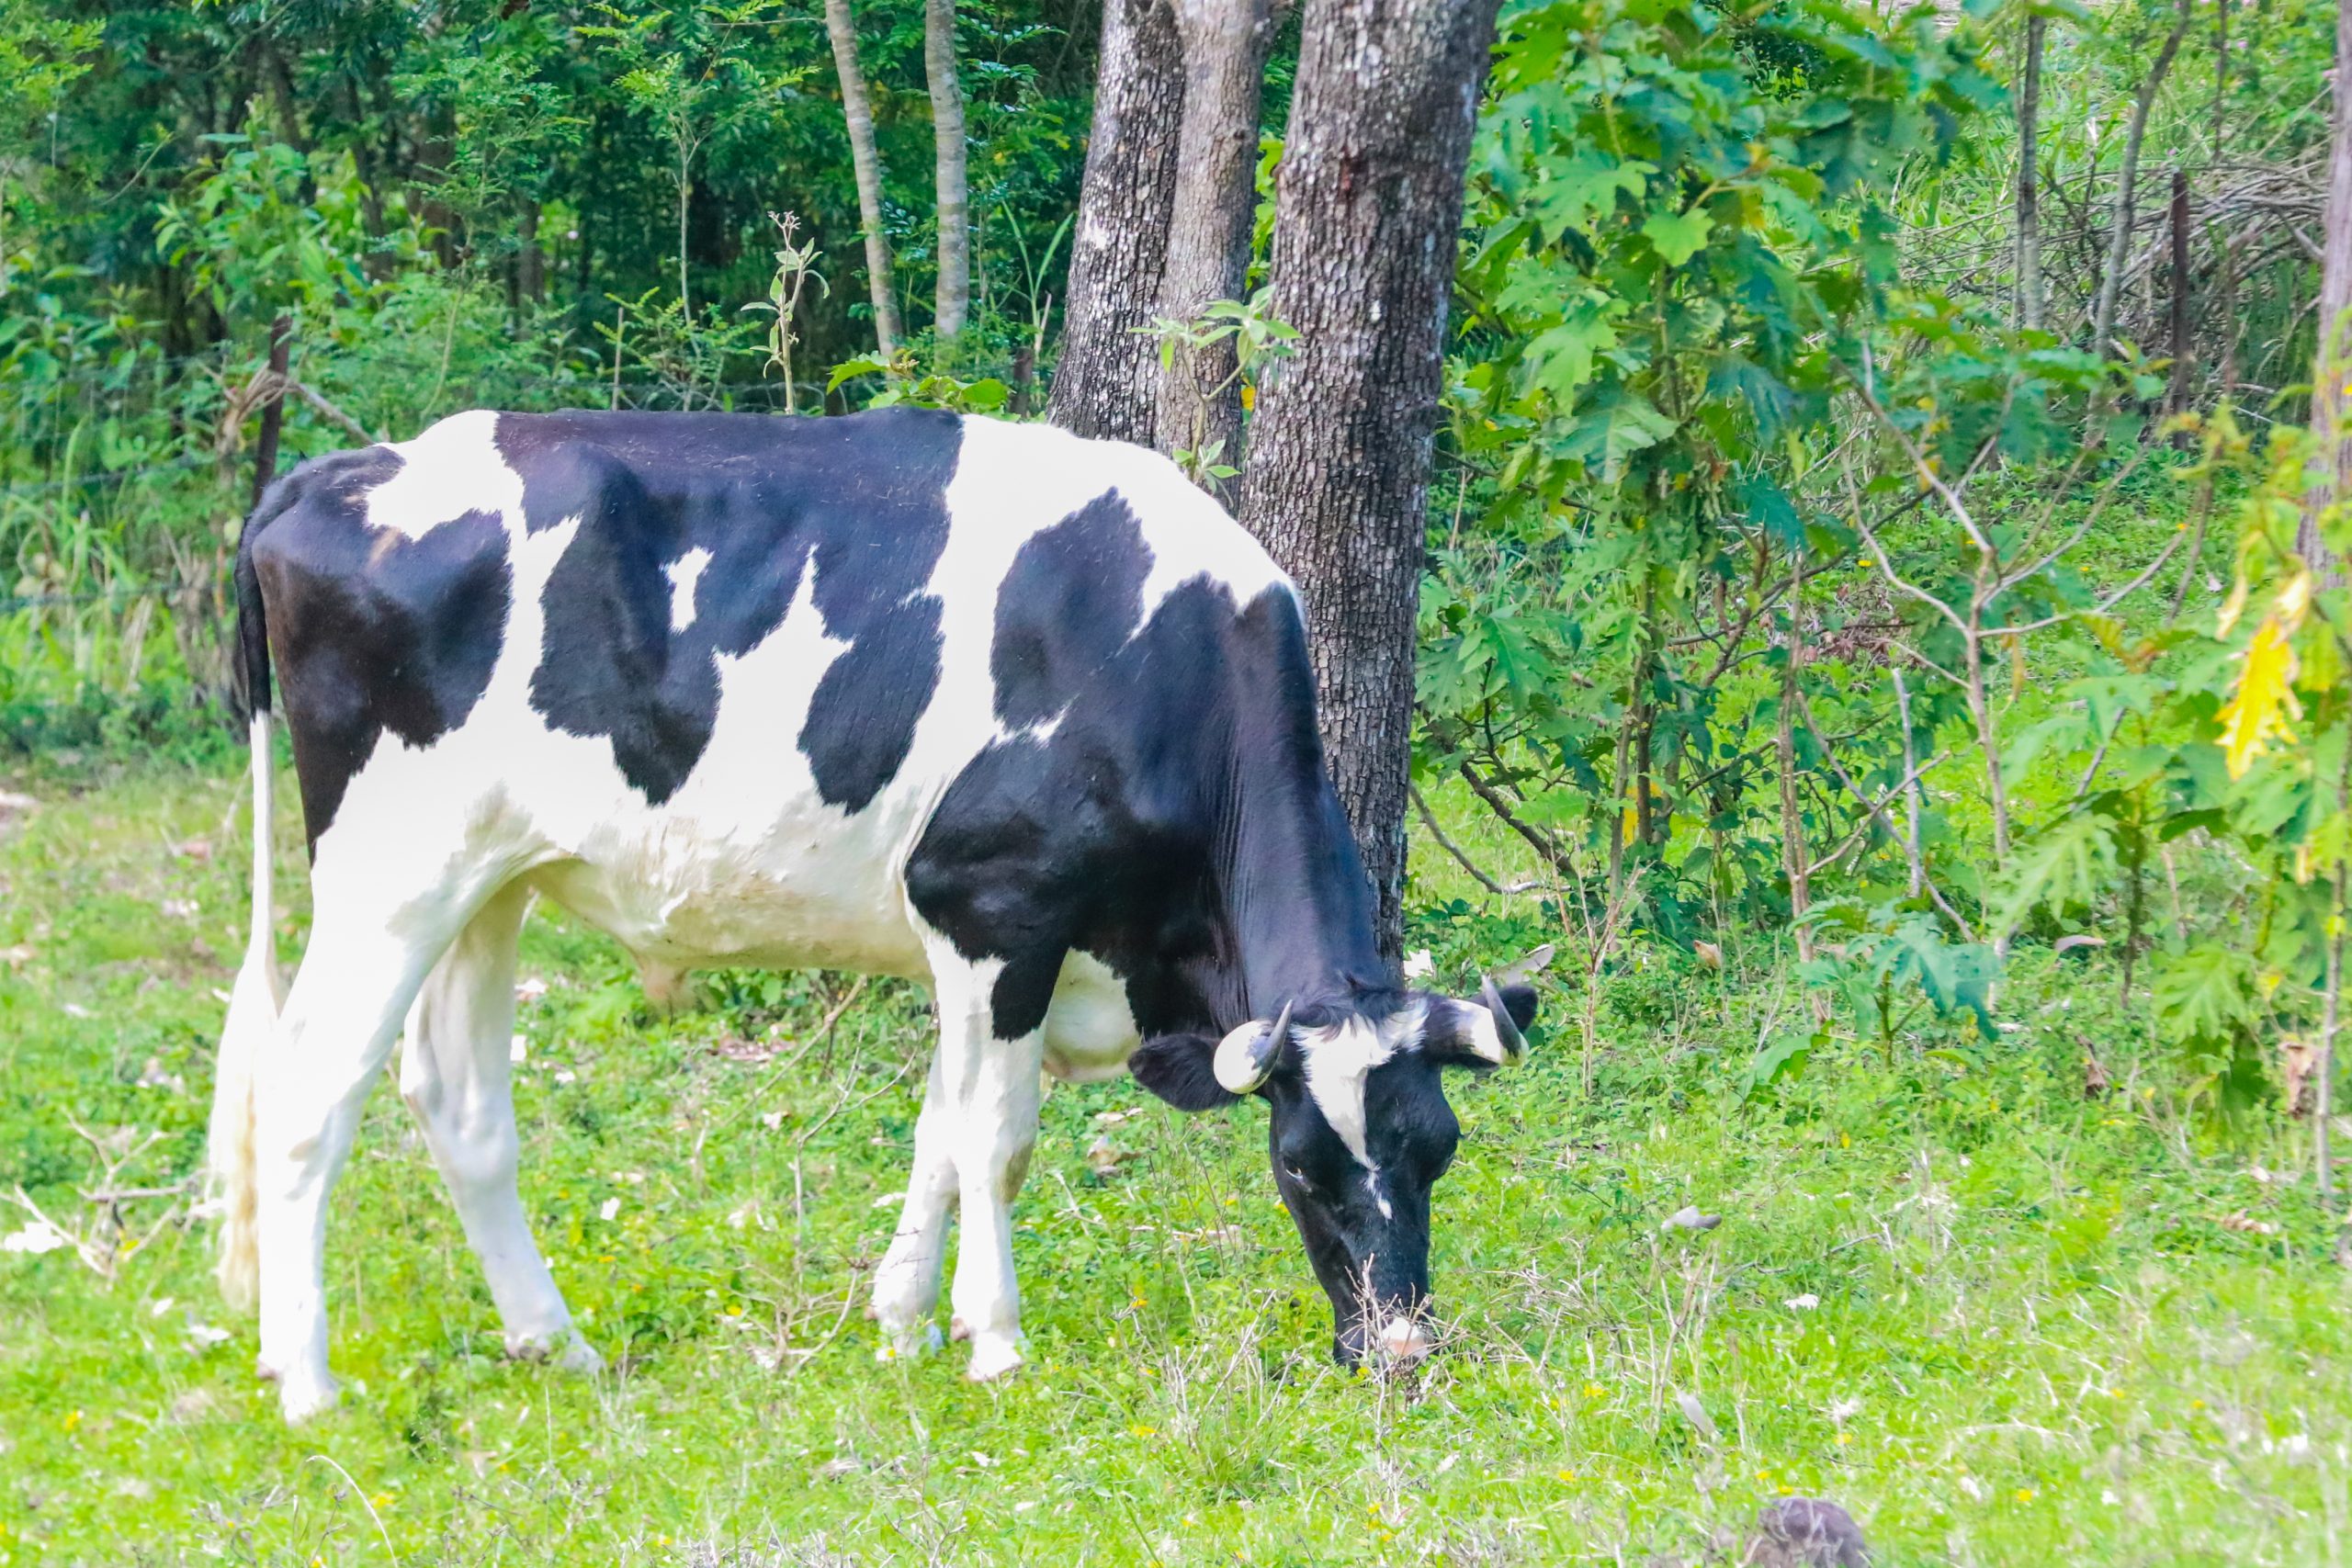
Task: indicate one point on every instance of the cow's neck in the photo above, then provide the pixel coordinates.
(1297, 909)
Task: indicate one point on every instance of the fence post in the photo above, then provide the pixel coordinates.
(272, 410)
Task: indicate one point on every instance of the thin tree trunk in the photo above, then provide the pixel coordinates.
(2030, 178)
(685, 193)
(952, 298)
(2118, 242)
(2176, 395)
(1224, 44)
(530, 260)
(1368, 206)
(858, 111)
(2331, 477)
(1107, 381)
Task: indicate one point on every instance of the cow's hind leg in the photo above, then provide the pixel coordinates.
(456, 1074)
(366, 959)
(906, 1287)
(992, 1091)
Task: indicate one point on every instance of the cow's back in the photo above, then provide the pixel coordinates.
(705, 676)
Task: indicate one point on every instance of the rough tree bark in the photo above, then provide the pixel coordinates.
(2119, 240)
(1367, 208)
(2331, 479)
(2030, 178)
(951, 301)
(857, 109)
(1224, 45)
(1107, 382)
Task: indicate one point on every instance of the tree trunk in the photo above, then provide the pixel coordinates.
(2331, 477)
(1107, 380)
(1224, 44)
(530, 260)
(952, 298)
(858, 111)
(2177, 397)
(2118, 241)
(1368, 207)
(2030, 178)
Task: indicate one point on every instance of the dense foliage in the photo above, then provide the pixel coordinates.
(1783, 582)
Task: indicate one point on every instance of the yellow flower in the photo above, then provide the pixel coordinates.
(1567, 1474)
(1845, 1437)
(1594, 1391)
(381, 1500)
(1143, 1431)
(2025, 1494)
(734, 1309)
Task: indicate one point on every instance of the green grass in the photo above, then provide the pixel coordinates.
(2046, 1328)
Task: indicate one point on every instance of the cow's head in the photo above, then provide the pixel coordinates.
(1361, 1132)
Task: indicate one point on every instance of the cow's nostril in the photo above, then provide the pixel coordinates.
(1406, 1340)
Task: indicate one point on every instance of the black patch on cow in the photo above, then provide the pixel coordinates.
(863, 498)
(1182, 1070)
(861, 716)
(1176, 823)
(1070, 601)
(371, 630)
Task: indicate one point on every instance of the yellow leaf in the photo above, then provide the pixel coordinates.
(2265, 699)
(2232, 609)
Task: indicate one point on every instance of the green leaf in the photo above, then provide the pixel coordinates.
(2066, 863)
(1677, 236)
(1783, 1057)
(1580, 189)
(1617, 424)
(2205, 995)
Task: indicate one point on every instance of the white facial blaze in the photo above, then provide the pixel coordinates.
(1338, 1059)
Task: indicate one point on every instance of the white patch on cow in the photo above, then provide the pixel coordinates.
(685, 573)
(1090, 1031)
(1485, 1040)
(1338, 1058)
(452, 469)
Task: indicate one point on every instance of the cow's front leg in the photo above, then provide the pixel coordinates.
(992, 1085)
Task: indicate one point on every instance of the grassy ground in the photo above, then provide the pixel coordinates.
(2001, 1320)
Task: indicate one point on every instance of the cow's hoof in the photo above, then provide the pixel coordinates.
(580, 1357)
(993, 1356)
(301, 1398)
(908, 1344)
(958, 1330)
(563, 1349)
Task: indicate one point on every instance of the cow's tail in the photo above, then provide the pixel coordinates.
(259, 993)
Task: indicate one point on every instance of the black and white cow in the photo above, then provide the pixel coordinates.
(1025, 716)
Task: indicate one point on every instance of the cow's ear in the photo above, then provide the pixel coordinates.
(1482, 1034)
(1182, 1070)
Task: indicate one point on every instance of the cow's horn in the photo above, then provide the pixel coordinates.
(1507, 1034)
(1245, 1058)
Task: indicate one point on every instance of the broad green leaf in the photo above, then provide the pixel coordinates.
(1677, 236)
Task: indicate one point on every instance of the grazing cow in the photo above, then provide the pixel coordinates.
(1025, 716)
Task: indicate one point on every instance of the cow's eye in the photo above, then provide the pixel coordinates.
(1298, 1177)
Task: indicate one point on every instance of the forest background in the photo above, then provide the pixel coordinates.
(1871, 606)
